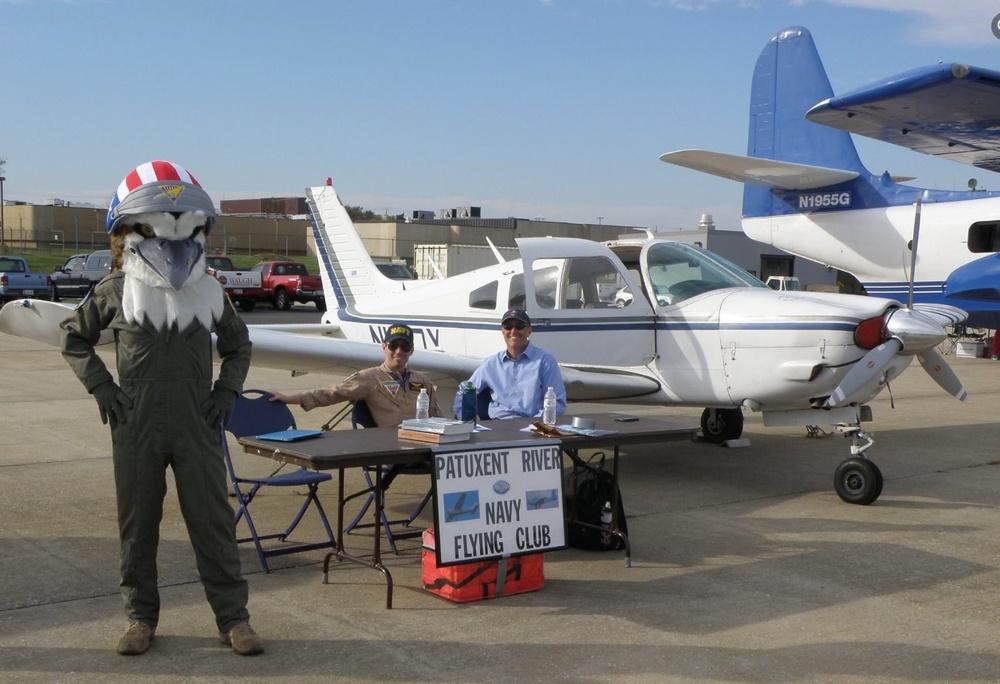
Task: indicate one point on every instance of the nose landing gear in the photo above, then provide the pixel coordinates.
(857, 480)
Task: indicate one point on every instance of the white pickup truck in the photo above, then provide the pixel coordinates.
(243, 287)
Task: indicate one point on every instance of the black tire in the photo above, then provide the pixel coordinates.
(724, 425)
(321, 305)
(282, 302)
(858, 481)
(247, 305)
(55, 294)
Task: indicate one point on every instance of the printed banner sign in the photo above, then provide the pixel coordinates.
(498, 501)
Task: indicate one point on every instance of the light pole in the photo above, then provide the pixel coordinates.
(2, 179)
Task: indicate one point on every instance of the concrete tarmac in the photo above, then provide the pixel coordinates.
(746, 565)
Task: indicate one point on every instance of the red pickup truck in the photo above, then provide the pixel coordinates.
(285, 282)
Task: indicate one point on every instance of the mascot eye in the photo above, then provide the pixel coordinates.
(144, 230)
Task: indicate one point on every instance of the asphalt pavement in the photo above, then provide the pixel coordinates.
(746, 565)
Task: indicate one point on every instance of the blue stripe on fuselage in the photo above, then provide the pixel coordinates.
(432, 327)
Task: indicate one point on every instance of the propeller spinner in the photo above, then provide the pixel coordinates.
(907, 331)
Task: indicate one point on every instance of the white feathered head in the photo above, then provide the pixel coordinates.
(158, 220)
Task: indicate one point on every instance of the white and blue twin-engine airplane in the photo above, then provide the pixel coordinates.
(698, 331)
(807, 192)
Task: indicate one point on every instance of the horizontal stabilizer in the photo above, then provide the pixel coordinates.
(769, 172)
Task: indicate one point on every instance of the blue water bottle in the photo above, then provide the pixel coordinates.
(468, 392)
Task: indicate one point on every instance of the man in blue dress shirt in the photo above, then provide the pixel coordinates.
(518, 376)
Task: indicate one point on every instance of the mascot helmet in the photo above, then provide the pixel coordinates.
(158, 186)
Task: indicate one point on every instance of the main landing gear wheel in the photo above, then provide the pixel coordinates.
(858, 481)
(721, 425)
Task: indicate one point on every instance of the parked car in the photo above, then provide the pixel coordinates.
(623, 297)
(243, 287)
(285, 282)
(79, 274)
(17, 280)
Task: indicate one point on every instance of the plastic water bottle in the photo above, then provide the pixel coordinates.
(606, 523)
(468, 392)
(423, 405)
(549, 407)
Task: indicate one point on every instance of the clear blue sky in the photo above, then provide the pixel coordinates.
(554, 108)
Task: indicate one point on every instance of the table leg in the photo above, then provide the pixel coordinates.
(376, 560)
(614, 512)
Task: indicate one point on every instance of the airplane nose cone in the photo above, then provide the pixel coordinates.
(916, 331)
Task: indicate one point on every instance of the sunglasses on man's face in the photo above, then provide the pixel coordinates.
(514, 325)
(400, 344)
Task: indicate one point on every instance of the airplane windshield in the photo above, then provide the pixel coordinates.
(678, 272)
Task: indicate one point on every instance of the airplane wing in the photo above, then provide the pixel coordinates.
(946, 110)
(305, 351)
(39, 320)
(318, 354)
(769, 172)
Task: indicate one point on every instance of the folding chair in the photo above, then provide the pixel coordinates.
(483, 400)
(256, 416)
(361, 417)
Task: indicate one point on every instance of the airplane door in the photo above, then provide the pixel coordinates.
(570, 288)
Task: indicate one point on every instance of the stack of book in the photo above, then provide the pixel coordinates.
(435, 430)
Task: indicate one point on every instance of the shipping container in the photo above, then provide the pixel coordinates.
(454, 259)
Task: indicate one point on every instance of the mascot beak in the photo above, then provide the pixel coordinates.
(172, 260)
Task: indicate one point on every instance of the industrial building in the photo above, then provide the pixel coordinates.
(270, 227)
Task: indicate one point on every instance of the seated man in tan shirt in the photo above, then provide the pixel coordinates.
(390, 390)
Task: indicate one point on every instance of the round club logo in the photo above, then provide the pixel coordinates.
(995, 26)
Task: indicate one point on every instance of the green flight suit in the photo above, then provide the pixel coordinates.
(168, 376)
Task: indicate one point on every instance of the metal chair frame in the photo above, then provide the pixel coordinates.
(259, 416)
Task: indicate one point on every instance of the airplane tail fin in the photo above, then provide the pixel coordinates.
(788, 80)
(787, 155)
(349, 274)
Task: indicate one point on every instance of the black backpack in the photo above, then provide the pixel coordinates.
(592, 486)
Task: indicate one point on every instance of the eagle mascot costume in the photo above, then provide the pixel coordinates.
(165, 410)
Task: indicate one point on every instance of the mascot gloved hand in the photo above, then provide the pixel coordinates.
(218, 408)
(114, 404)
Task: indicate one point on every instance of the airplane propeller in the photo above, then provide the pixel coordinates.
(942, 374)
(870, 365)
(911, 331)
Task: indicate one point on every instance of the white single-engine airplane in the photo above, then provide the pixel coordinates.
(807, 192)
(701, 332)
(698, 331)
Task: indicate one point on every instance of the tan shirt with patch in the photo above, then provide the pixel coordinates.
(390, 398)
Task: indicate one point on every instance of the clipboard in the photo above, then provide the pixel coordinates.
(290, 435)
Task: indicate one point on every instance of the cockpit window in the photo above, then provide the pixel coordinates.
(575, 283)
(678, 272)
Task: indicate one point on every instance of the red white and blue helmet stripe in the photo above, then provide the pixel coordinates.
(158, 186)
